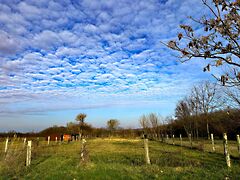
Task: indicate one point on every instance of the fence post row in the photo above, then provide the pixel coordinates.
(146, 147)
(213, 146)
(226, 153)
(29, 147)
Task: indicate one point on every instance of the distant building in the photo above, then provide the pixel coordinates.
(67, 137)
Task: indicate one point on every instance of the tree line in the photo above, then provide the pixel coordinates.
(206, 109)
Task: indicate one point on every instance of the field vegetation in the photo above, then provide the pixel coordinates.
(117, 158)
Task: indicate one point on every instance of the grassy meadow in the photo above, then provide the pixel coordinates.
(115, 158)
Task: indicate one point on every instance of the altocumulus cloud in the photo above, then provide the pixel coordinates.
(91, 53)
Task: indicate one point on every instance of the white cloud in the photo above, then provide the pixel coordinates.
(8, 44)
(29, 11)
(46, 40)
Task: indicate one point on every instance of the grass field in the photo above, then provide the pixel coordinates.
(206, 145)
(114, 159)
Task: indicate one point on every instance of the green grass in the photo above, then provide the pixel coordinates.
(117, 159)
(207, 145)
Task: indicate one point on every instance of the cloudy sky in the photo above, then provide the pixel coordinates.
(100, 57)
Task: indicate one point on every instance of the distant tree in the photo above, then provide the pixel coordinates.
(219, 45)
(151, 125)
(220, 121)
(72, 127)
(183, 113)
(182, 109)
(57, 130)
(112, 124)
(144, 123)
(155, 125)
(81, 118)
(205, 99)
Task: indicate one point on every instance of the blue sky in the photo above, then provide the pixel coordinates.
(103, 58)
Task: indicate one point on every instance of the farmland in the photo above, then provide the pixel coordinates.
(118, 158)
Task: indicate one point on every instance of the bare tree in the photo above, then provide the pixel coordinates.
(183, 112)
(207, 98)
(154, 122)
(112, 124)
(81, 118)
(151, 125)
(204, 99)
(219, 44)
(233, 96)
(144, 124)
(194, 105)
(182, 109)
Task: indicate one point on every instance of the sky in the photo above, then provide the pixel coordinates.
(100, 57)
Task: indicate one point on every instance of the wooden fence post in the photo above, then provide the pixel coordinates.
(80, 136)
(6, 145)
(238, 144)
(29, 147)
(83, 151)
(48, 140)
(190, 139)
(181, 140)
(213, 146)
(146, 151)
(24, 142)
(37, 141)
(226, 153)
(173, 140)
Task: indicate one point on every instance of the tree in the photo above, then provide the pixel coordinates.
(144, 123)
(81, 118)
(113, 124)
(151, 125)
(220, 42)
(205, 99)
(220, 121)
(182, 109)
(183, 113)
(233, 96)
(155, 124)
(72, 127)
